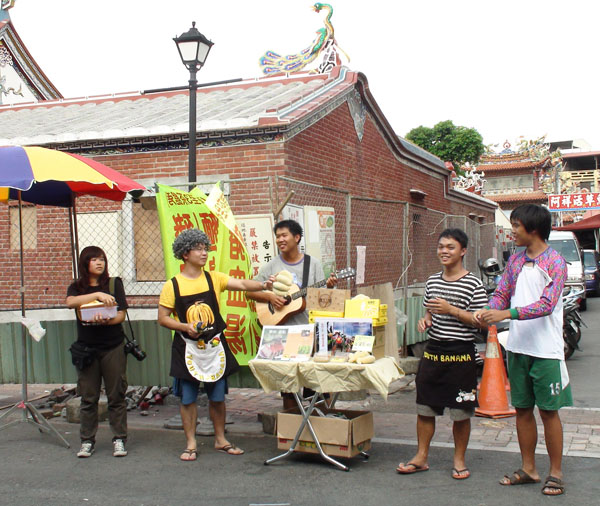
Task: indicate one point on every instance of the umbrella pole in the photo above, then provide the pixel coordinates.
(72, 241)
(30, 412)
(75, 238)
(22, 290)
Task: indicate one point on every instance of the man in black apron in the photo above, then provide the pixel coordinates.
(447, 374)
(189, 305)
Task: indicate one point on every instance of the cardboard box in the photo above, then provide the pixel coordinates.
(385, 293)
(87, 312)
(326, 299)
(380, 322)
(313, 313)
(338, 437)
(379, 344)
(361, 308)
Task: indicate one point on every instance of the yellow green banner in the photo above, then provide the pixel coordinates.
(179, 210)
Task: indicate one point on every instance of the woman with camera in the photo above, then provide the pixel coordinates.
(99, 352)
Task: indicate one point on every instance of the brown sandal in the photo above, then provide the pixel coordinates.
(230, 449)
(519, 477)
(460, 474)
(193, 452)
(552, 482)
(414, 468)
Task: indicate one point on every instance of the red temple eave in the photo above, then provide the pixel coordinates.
(529, 164)
(535, 196)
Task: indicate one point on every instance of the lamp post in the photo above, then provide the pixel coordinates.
(193, 49)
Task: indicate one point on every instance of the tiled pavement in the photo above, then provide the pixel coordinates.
(394, 420)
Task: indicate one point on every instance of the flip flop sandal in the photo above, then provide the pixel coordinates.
(519, 477)
(463, 474)
(415, 468)
(552, 482)
(230, 450)
(190, 453)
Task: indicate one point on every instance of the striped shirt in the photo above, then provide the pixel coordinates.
(466, 293)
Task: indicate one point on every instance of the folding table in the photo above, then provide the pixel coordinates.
(322, 377)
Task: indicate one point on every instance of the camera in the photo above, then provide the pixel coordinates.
(134, 348)
(202, 328)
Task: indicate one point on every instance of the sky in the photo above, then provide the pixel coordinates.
(508, 69)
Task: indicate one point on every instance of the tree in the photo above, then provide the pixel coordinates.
(451, 143)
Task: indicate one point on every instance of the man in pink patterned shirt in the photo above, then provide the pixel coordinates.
(530, 295)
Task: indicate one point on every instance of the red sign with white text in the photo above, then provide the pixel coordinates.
(574, 202)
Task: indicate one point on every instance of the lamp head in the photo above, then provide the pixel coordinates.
(193, 48)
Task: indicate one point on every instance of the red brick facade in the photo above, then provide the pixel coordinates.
(327, 153)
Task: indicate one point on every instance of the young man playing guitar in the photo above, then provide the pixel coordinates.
(287, 235)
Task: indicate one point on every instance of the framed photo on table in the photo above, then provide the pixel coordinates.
(335, 336)
(286, 342)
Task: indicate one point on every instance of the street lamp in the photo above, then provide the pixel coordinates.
(193, 49)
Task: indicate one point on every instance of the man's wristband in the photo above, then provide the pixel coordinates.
(263, 286)
(514, 314)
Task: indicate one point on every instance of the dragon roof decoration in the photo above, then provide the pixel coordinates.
(323, 45)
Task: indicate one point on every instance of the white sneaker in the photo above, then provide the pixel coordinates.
(86, 450)
(119, 448)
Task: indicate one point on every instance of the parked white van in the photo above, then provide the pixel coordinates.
(567, 245)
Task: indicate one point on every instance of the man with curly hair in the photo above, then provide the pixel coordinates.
(200, 352)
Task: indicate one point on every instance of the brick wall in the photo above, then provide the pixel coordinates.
(328, 153)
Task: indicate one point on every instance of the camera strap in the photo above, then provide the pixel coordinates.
(130, 329)
(111, 290)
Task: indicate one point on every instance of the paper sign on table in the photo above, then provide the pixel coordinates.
(363, 343)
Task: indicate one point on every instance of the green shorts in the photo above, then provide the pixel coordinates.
(538, 382)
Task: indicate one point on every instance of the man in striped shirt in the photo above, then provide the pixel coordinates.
(447, 375)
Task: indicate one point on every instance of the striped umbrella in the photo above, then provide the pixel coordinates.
(49, 177)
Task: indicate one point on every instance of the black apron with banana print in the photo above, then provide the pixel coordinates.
(447, 375)
(206, 363)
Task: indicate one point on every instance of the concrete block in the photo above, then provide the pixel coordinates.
(409, 364)
(269, 421)
(74, 404)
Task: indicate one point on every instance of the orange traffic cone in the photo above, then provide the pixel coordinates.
(504, 375)
(493, 401)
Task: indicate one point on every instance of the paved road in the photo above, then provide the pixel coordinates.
(584, 365)
(35, 471)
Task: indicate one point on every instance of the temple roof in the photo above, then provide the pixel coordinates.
(21, 79)
(508, 162)
(241, 105)
(265, 104)
(534, 196)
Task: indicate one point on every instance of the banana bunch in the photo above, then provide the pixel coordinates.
(361, 357)
(282, 284)
(200, 312)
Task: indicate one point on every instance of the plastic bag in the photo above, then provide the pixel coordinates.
(34, 327)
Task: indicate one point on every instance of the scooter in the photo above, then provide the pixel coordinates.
(490, 275)
(572, 322)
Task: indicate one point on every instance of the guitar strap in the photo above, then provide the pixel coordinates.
(305, 270)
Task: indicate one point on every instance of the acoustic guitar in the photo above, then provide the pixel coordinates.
(295, 301)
